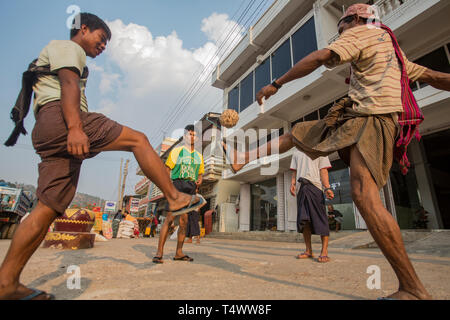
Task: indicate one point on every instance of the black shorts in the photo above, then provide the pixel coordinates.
(185, 186)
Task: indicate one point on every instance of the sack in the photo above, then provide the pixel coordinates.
(100, 238)
(174, 234)
(126, 229)
(107, 229)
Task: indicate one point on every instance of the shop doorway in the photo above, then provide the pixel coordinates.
(264, 206)
(437, 149)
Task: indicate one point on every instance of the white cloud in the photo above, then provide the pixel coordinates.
(154, 72)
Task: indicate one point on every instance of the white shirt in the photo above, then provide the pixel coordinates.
(308, 168)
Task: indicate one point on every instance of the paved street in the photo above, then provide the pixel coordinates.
(222, 269)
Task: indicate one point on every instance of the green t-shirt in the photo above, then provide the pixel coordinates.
(59, 54)
(185, 164)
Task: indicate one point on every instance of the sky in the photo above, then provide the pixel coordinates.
(159, 49)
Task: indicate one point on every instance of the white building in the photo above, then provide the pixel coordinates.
(288, 31)
(220, 194)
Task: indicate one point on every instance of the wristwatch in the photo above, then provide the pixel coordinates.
(276, 85)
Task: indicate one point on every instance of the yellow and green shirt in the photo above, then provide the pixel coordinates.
(185, 164)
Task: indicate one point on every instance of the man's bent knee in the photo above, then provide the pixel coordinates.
(139, 139)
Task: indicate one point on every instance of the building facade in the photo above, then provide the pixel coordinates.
(287, 32)
(221, 195)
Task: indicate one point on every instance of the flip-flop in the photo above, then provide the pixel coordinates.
(305, 255)
(37, 293)
(157, 260)
(227, 157)
(324, 257)
(191, 207)
(184, 258)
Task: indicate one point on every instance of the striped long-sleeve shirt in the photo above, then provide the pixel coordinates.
(375, 81)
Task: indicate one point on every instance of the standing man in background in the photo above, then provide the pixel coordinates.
(308, 178)
(186, 167)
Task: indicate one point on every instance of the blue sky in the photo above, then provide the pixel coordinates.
(158, 47)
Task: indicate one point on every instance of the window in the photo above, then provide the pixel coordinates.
(281, 60)
(324, 110)
(437, 60)
(296, 121)
(264, 206)
(262, 75)
(312, 116)
(304, 41)
(247, 95)
(340, 183)
(233, 99)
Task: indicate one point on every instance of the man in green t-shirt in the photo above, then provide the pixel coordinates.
(64, 135)
(186, 167)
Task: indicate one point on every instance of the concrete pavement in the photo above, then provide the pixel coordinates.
(226, 269)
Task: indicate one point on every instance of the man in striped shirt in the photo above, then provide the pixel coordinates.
(362, 128)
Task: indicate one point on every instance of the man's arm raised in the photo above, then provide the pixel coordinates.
(304, 67)
(439, 80)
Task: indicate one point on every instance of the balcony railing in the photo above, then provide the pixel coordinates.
(214, 166)
(384, 9)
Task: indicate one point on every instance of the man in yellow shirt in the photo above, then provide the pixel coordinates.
(186, 167)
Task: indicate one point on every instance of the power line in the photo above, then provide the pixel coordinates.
(198, 76)
(187, 97)
(188, 100)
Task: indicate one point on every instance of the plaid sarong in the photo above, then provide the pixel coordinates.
(343, 127)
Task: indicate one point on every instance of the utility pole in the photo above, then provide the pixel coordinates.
(125, 173)
(120, 184)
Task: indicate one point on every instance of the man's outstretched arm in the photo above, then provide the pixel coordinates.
(439, 80)
(304, 67)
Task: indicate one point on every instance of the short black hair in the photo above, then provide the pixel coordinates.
(91, 21)
(189, 127)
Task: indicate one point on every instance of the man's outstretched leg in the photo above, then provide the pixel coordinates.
(29, 235)
(151, 164)
(383, 228)
(240, 159)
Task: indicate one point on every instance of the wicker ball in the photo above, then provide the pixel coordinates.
(229, 118)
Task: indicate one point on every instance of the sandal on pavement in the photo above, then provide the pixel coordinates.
(184, 258)
(305, 255)
(323, 259)
(36, 293)
(157, 260)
